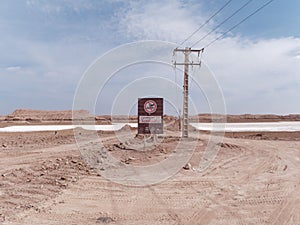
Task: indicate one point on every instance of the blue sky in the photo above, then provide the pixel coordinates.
(45, 47)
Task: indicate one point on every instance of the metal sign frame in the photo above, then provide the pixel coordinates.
(150, 116)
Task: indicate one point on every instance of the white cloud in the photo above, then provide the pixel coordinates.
(161, 20)
(57, 6)
(13, 68)
(260, 76)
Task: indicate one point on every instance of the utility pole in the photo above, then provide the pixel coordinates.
(187, 51)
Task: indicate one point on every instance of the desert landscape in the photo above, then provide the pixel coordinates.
(161, 112)
(44, 179)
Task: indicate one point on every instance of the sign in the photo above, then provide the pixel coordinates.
(150, 115)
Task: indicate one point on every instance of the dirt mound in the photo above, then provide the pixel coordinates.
(137, 151)
(127, 128)
(103, 120)
(122, 119)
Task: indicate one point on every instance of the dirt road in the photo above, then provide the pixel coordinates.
(250, 182)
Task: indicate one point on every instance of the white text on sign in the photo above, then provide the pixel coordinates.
(150, 119)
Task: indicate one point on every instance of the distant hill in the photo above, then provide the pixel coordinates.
(45, 115)
(244, 118)
(30, 115)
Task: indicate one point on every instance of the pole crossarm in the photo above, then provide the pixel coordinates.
(189, 63)
(188, 49)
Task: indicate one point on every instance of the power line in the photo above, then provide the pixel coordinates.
(224, 21)
(206, 22)
(250, 15)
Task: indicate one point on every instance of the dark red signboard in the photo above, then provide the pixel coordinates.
(150, 115)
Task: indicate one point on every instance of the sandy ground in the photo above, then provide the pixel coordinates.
(255, 179)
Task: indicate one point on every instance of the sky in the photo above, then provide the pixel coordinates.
(46, 47)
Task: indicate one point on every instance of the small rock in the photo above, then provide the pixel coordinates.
(64, 185)
(285, 167)
(4, 145)
(105, 219)
(187, 166)
(121, 145)
(73, 179)
(163, 150)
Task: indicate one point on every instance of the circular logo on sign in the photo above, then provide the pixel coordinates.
(150, 106)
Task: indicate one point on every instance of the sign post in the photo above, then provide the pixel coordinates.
(150, 116)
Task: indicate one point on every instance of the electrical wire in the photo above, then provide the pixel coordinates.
(224, 21)
(206, 22)
(246, 18)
